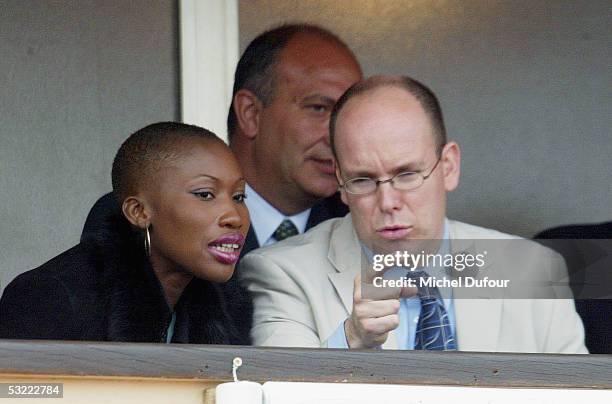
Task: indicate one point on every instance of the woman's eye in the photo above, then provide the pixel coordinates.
(240, 197)
(204, 195)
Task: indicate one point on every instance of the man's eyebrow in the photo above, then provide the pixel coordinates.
(412, 167)
(319, 98)
(359, 174)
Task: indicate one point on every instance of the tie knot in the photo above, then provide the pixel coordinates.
(424, 292)
(284, 230)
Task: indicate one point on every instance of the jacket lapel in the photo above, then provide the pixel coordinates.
(470, 318)
(471, 308)
(344, 255)
(347, 257)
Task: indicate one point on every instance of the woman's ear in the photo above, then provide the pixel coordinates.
(136, 212)
(247, 108)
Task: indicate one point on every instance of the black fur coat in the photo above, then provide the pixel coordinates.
(104, 289)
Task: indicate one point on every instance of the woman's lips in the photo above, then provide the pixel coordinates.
(226, 249)
(394, 232)
(223, 257)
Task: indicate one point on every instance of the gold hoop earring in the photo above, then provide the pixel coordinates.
(147, 242)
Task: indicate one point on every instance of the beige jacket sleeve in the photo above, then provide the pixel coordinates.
(283, 315)
(566, 332)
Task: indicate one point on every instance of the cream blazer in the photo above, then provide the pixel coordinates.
(303, 288)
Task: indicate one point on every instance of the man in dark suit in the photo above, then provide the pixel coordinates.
(285, 86)
(587, 249)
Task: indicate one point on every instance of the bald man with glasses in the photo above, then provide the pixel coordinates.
(394, 167)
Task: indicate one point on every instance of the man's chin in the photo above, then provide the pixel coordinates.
(322, 187)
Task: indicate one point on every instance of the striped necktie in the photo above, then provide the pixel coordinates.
(284, 230)
(434, 331)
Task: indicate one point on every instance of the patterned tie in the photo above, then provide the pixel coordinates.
(433, 328)
(284, 230)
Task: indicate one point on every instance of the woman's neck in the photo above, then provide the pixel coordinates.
(173, 281)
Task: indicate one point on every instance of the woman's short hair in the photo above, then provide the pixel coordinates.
(145, 151)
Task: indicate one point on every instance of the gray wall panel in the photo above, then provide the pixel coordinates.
(77, 77)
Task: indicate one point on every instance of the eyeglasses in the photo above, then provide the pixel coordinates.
(404, 181)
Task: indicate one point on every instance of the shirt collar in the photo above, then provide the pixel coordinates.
(265, 218)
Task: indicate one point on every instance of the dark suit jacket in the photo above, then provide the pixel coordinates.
(325, 209)
(596, 314)
(104, 289)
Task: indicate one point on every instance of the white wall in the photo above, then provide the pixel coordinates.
(209, 54)
(525, 87)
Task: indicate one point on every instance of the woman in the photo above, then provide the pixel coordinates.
(160, 270)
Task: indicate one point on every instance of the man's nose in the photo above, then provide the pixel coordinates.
(326, 139)
(323, 132)
(389, 198)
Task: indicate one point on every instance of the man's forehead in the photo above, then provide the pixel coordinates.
(310, 52)
(380, 100)
(383, 127)
(387, 112)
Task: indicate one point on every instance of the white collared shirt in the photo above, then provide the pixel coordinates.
(265, 218)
